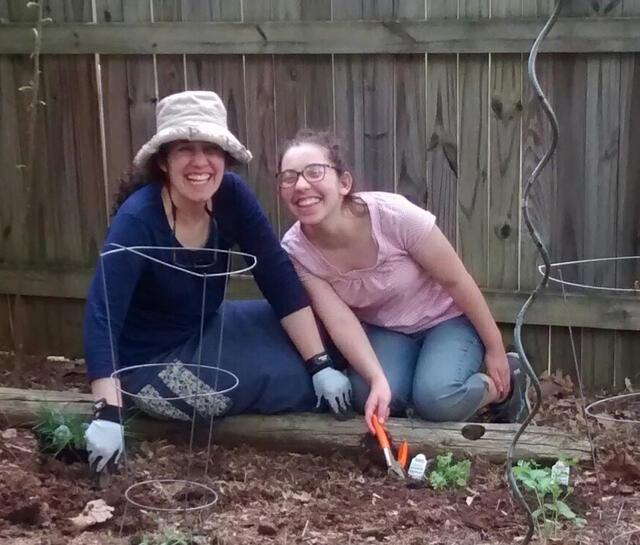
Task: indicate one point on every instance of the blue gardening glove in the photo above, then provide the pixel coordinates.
(335, 388)
(104, 444)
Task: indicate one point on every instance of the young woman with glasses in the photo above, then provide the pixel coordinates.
(389, 288)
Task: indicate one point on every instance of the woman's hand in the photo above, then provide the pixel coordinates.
(378, 401)
(498, 369)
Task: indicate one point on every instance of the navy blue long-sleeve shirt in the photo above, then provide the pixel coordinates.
(154, 308)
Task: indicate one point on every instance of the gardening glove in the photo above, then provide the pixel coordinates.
(104, 437)
(333, 386)
(104, 444)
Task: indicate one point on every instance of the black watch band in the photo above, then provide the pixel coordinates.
(318, 363)
(103, 411)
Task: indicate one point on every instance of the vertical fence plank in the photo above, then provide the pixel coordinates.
(566, 236)
(128, 85)
(505, 118)
(109, 10)
(411, 150)
(290, 82)
(364, 90)
(567, 216)
(474, 151)
(442, 129)
(349, 114)
(318, 73)
(12, 203)
(170, 69)
(379, 114)
(601, 194)
(627, 343)
(410, 173)
(260, 101)
(303, 86)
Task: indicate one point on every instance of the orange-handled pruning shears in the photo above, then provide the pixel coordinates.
(393, 466)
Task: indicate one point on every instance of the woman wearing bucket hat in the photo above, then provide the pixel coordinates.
(177, 208)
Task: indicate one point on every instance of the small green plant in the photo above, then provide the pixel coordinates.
(171, 536)
(550, 495)
(57, 430)
(449, 474)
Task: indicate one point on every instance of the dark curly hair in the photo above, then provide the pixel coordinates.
(335, 154)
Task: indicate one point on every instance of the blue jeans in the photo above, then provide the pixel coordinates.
(435, 371)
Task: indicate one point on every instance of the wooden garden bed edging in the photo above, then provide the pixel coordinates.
(306, 432)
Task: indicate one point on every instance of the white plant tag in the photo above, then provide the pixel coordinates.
(417, 467)
(560, 473)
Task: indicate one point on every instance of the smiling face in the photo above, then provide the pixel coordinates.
(313, 203)
(194, 170)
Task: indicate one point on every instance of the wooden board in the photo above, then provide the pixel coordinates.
(473, 190)
(627, 345)
(601, 197)
(305, 432)
(303, 87)
(357, 37)
(442, 130)
(410, 174)
(505, 129)
(364, 95)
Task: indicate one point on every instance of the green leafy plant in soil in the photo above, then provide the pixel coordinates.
(172, 536)
(449, 474)
(551, 498)
(61, 434)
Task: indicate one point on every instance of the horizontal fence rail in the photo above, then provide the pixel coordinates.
(553, 309)
(570, 35)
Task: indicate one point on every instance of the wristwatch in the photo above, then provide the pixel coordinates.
(318, 363)
(103, 411)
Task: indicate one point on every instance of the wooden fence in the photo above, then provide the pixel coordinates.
(430, 96)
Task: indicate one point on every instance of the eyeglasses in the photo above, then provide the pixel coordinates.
(313, 173)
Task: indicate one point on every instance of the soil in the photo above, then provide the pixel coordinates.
(278, 498)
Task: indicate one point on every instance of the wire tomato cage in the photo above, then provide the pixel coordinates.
(202, 385)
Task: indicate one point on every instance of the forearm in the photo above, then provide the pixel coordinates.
(349, 337)
(470, 300)
(108, 389)
(303, 331)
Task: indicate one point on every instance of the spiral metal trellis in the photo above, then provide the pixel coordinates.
(545, 257)
(546, 270)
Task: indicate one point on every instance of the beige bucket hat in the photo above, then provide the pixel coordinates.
(192, 115)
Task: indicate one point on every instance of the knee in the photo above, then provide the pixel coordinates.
(440, 403)
(360, 393)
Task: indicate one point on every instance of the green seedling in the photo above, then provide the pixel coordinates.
(551, 497)
(171, 536)
(449, 474)
(57, 430)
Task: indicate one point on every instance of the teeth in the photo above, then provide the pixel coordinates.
(198, 178)
(308, 201)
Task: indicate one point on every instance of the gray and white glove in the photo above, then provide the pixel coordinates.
(333, 386)
(104, 437)
(104, 444)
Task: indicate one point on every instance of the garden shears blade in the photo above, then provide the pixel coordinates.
(393, 466)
